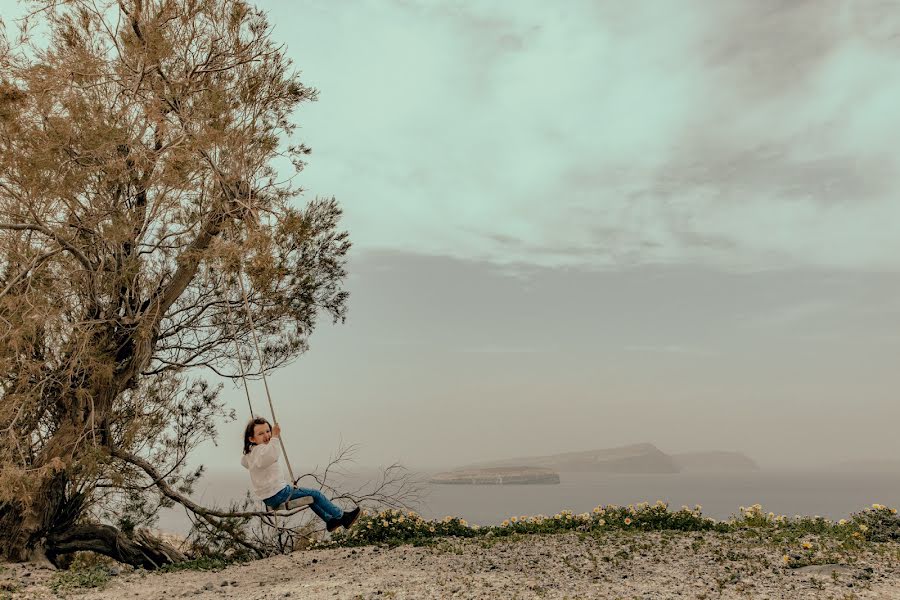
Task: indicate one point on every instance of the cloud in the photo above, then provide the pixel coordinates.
(748, 136)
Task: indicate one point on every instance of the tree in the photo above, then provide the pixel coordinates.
(138, 195)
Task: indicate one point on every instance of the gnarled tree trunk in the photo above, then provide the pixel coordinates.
(139, 550)
(26, 525)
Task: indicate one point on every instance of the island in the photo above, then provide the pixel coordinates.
(642, 458)
(512, 475)
(636, 458)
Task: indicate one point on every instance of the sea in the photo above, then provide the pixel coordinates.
(832, 494)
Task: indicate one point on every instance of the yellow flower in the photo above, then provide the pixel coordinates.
(627, 520)
(384, 523)
(513, 519)
(842, 522)
(863, 528)
(463, 522)
(602, 522)
(431, 529)
(400, 519)
(807, 545)
(698, 508)
(505, 524)
(786, 559)
(877, 506)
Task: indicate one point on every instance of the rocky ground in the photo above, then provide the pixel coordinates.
(621, 565)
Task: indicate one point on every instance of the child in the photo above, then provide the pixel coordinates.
(261, 448)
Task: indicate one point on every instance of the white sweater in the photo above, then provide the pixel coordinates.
(265, 473)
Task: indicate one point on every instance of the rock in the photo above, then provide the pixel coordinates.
(824, 570)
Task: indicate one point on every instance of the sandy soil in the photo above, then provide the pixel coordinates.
(617, 565)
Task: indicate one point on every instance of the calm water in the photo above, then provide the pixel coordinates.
(829, 494)
(833, 495)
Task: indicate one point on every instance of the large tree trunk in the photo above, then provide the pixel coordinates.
(47, 529)
(25, 527)
(139, 550)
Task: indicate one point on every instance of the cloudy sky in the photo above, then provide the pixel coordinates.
(741, 136)
(583, 224)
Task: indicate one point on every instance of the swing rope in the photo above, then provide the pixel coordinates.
(300, 503)
(261, 368)
(237, 351)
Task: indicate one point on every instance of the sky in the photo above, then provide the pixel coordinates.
(585, 224)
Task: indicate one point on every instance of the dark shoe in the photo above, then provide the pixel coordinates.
(350, 518)
(333, 524)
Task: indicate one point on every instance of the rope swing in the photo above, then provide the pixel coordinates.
(305, 501)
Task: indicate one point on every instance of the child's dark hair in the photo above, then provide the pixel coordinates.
(248, 432)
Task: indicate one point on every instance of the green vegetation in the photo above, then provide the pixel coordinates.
(204, 563)
(806, 537)
(79, 578)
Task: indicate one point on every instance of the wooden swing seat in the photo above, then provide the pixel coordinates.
(301, 502)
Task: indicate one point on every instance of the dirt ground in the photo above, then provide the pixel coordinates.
(617, 565)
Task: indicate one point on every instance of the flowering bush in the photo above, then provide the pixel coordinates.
(877, 524)
(394, 527)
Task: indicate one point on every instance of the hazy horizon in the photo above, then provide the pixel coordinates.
(593, 224)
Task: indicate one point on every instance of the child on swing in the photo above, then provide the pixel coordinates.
(261, 448)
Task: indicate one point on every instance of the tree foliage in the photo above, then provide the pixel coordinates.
(143, 152)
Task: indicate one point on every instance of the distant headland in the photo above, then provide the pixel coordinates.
(633, 459)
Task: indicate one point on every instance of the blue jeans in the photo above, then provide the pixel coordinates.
(322, 506)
